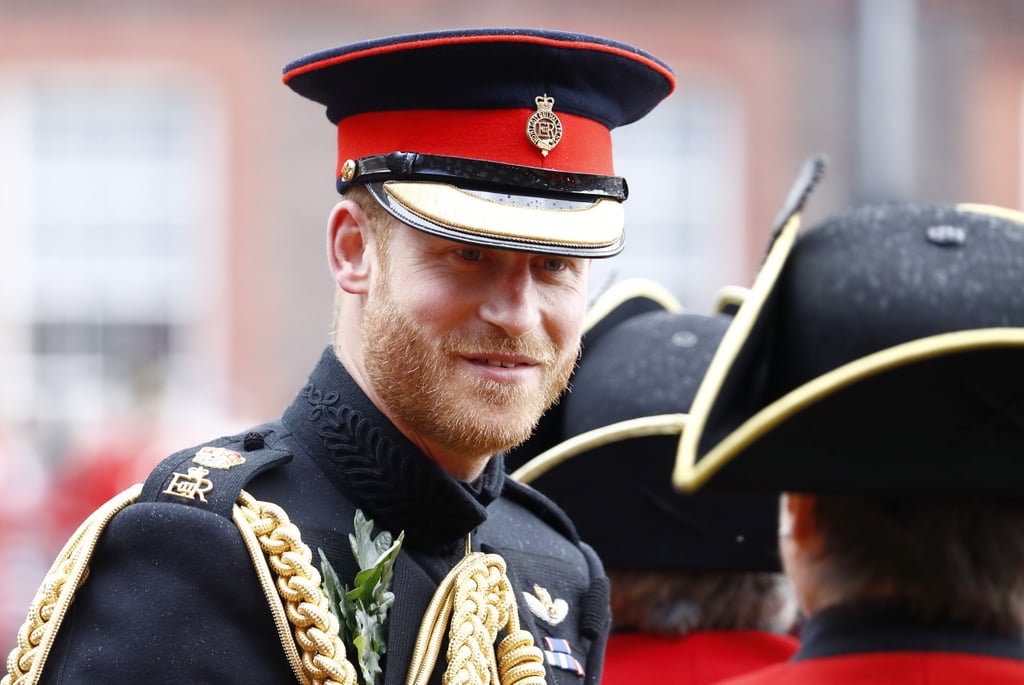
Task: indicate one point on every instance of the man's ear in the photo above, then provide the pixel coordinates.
(348, 247)
(802, 523)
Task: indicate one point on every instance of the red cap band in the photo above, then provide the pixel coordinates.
(494, 135)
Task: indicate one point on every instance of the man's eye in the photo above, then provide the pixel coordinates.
(470, 254)
(554, 264)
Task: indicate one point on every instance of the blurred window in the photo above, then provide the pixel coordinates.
(108, 212)
(684, 218)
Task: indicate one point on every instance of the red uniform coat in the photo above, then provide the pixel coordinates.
(891, 668)
(882, 647)
(698, 658)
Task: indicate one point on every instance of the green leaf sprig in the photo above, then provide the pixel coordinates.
(362, 610)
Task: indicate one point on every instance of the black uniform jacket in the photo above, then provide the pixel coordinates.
(172, 597)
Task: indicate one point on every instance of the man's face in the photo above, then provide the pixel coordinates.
(468, 346)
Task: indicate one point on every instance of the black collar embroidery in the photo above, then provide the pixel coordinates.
(379, 469)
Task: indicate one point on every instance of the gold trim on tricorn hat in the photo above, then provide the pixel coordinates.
(747, 312)
(629, 429)
(628, 298)
(729, 299)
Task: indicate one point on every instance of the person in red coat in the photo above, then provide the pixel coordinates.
(697, 593)
(872, 377)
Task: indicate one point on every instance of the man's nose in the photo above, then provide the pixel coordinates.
(513, 303)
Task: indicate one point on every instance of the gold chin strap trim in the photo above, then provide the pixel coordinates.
(295, 597)
(479, 598)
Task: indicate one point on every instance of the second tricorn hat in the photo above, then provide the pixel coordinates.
(496, 137)
(606, 458)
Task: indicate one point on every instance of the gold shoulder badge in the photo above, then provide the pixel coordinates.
(218, 458)
(192, 485)
(541, 605)
(544, 128)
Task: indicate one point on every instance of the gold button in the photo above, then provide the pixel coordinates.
(348, 170)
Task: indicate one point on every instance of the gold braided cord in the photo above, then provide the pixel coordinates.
(298, 583)
(265, 528)
(52, 599)
(478, 597)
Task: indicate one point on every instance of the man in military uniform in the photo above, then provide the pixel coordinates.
(476, 173)
(870, 377)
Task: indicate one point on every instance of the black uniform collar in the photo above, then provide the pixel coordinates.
(880, 627)
(379, 469)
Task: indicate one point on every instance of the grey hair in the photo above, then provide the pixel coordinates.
(941, 560)
(679, 602)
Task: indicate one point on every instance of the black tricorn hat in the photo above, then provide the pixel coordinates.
(880, 352)
(499, 137)
(619, 428)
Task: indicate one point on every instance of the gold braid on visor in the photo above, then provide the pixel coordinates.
(573, 228)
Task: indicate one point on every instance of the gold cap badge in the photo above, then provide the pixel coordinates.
(544, 128)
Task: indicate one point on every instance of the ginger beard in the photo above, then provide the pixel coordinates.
(422, 381)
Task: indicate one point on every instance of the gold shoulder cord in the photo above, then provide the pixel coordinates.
(295, 598)
(269, 535)
(481, 597)
(68, 572)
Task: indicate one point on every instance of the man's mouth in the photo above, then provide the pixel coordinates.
(503, 361)
(502, 364)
